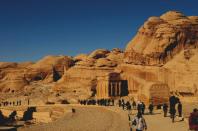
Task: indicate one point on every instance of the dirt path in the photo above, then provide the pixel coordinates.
(90, 118)
(158, 123)
(94, 118)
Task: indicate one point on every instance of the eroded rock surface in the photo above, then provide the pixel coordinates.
(160, 38)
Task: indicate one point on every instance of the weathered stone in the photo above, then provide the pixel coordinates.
(159, 39)
(99, 53)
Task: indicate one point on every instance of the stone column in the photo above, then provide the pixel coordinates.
(107, 88)
(97, 89)
(101, 90)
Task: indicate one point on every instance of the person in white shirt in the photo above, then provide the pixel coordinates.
(139, 122)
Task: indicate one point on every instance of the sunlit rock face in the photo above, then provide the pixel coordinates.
(164, 50)
(161, 58)
(81, 79)
(15, 76)
(160, 38)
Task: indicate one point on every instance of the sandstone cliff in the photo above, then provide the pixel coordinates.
(81, 79)
(160, 38)
(163, 52)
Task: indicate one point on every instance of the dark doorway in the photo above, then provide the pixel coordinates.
(56, 75)
(124, 88)
(113, 89)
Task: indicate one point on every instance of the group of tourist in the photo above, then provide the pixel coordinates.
(140, 123)
(126, 105)
(174, 107)
(101, 102)
(8, 103)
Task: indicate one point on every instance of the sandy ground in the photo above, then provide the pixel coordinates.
(91, 118)
(94, 118)
(157, 122)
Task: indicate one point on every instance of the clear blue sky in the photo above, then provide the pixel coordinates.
(31, 29)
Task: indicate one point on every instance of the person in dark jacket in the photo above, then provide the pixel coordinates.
(179, 108)
(165, 109)
(128, 105)
(123, 104)
(173, 101)
(151, 108)
(193, 120)
(172, 113)
(139, 107)
(143, 108)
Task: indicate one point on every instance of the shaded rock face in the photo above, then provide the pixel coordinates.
(160, 38)
(47, 67)
(100, 53)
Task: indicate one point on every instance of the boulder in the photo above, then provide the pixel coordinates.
(104, 62)
(99, 53)
(81, 57)
(88, 62)
(7, 65)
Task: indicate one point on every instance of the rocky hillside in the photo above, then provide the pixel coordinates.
(170, 43)
(161, 38)
(74, 75)
(164, 50)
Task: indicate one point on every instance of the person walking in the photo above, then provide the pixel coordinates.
(179, 108)
(123, 104)
(172, 114)
(139, 107)
(127, 105)
(165, 109)
(134, 105)
(173, 101)
(143, 108)
(151, 108)
(139, 122)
